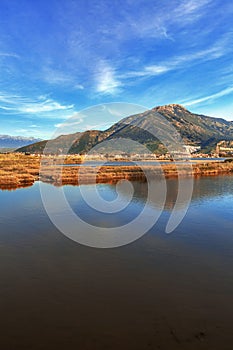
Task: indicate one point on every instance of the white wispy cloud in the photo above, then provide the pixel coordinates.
(54, 76)
(159, 19)
(219, 49)
(66, 77)
(147, 71)
(106, 80)
(16, 104)
(21, 131)
(78, 87)
(9, 54)
(41, 107)
(191, 9)
(211, 97)
(69, 123)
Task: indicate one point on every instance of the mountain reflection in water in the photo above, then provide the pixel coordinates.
(160, 292)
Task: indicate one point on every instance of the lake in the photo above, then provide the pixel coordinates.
(163, 291)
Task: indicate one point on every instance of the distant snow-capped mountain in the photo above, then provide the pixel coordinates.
(7, 141)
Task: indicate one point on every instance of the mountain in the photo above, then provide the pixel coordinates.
(195, 129)
(81, 142)
(7, 141)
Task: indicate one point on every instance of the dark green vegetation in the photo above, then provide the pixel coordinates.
(195, 130)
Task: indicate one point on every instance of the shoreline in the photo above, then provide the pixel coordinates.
(18, 170)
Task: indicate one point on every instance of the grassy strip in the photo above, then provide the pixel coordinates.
(18, 170)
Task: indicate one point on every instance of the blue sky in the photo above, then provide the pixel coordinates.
(58, 57)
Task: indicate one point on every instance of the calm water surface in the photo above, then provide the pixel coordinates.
(128, 163)
(160, 292)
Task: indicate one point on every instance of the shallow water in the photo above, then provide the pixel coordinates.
(94, 163)
(160, 292)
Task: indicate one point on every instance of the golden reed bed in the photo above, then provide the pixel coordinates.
(19, 170)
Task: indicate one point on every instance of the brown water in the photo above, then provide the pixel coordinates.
(160, 292)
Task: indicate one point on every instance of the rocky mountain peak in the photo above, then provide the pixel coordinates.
(172, 108)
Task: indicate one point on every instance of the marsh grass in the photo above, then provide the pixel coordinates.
(19, 170)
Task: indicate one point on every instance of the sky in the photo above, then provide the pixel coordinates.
(58, 57)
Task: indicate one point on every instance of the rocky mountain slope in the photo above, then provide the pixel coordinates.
(195, 129)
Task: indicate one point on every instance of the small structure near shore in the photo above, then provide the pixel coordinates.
(225, 148)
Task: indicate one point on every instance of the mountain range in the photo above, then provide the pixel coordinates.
(194, 129)
(7, 141)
